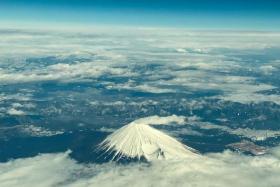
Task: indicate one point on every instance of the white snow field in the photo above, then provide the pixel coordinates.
(138, 139)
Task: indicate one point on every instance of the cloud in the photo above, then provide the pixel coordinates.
(251, 97)
(141, 88)
(158, 120)
(124, 103)
(36, 131)
(268, 69)
(184, 62)
(17, 97)
(219, 170)
(28, 130)
(45, 170)
(63, 72)
(253, 134)
(15, 112)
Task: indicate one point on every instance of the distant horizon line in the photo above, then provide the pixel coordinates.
(74, 26)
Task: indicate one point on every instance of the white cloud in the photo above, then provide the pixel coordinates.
(15, 112)
(253, 134)
(43, 171)
(30, 130)
(17, 105)
(219, 170)
(37, 131)
(142, 87)
(159, 120)
(124, 103)
(249, 97)
(17, 96)
(205, 61)
(267, 69)
(242, 89)
(64, 72)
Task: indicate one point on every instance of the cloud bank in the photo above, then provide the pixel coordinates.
(219, 170)
(184, 62)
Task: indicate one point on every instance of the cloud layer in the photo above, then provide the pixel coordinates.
(185, 61)
(219, 170)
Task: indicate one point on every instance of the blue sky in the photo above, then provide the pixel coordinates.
(193, 14)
